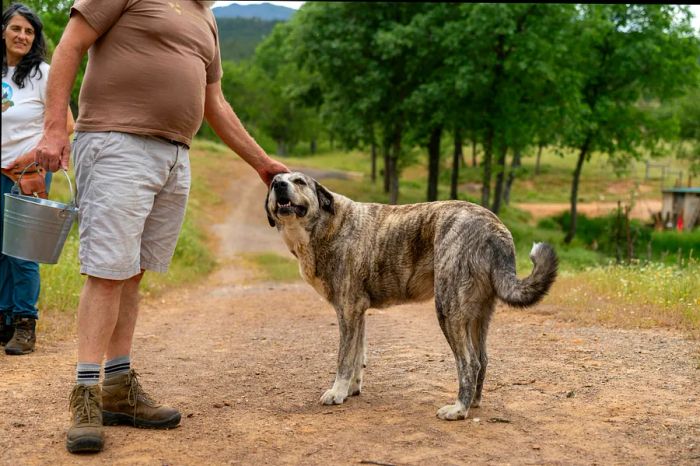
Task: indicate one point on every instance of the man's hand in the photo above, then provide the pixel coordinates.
(271, 169)
(53, 151)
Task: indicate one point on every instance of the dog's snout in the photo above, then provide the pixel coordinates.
(279, 185)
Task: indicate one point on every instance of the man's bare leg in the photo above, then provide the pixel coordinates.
(123, 334)
(98, 313)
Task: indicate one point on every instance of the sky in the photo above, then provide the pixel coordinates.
(296, 5)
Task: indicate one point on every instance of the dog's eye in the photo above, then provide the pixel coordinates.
(300, 182)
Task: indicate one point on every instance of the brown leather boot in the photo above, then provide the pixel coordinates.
(86, 432)
(125, 402)
(24, 339)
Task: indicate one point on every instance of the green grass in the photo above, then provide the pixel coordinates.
(272, 267)
(641, 295)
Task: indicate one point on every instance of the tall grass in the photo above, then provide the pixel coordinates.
(638, 295)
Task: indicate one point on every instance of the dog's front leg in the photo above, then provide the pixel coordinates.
(351, 326)
(360, 360)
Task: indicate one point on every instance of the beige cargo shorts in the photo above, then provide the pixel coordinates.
(131, 193)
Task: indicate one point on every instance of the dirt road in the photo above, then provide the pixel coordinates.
(246, 362)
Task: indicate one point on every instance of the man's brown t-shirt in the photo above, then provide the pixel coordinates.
(147, 72)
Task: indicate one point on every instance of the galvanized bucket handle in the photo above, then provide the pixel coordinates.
(15, 189)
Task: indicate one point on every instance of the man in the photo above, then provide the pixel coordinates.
(153, 73)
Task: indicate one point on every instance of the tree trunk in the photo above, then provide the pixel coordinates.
(281, 148)
(457, 157)
(387, 166)
(313, 146)
(511, 175)
(434, 163)
(486, 177)
(374, 161)
(394, 173)
(501, 171)
(537, 163)
(473, 152)
(574, 190)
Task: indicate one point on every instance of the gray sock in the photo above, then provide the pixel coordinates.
(87, 373)
(117, 366)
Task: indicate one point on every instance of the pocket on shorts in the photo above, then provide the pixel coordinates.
(88, 146)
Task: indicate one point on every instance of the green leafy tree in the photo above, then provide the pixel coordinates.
(357, 50)
(290, 107)
(626, 54)
(503, 67)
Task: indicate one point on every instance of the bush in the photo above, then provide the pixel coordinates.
(608, 235)
(687, 244)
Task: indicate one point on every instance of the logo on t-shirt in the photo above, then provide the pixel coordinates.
(176, 6)
(6, 97)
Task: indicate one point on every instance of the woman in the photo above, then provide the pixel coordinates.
(24, 76)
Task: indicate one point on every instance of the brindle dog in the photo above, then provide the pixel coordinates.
(361, 255)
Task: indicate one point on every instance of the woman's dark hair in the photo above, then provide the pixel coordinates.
(36, 55)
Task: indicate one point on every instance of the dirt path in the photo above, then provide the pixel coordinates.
(643, 209)
(246, 363)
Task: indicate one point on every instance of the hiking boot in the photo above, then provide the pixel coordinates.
(24, 339)
(6, 330)
(125, 402)
(85, 433)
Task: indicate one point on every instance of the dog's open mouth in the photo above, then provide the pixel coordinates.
(286, 207)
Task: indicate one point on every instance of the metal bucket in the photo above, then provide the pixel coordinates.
(36, 229)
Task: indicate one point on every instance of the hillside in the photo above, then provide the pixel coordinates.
(240, 36)
(265, 11)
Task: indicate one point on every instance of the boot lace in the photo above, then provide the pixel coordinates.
(136, 392)
(23, 332)
(85, 404)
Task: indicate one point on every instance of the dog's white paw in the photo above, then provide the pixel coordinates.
(333, 397)
(453, 412)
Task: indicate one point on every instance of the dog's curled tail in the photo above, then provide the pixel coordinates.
(529, 290)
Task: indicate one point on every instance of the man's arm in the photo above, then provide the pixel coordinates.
(229, 128)
(54, 148)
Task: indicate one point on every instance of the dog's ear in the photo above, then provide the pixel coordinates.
(270, 220)
(325, 198)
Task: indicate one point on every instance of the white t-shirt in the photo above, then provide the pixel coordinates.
(22, 113)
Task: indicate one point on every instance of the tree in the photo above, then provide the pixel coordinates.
(356, 50)
(626, 54)
(508, 67)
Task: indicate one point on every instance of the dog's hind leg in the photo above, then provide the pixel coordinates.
(351, 326)
(479, 329)
(458, 335)
(360, 361)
